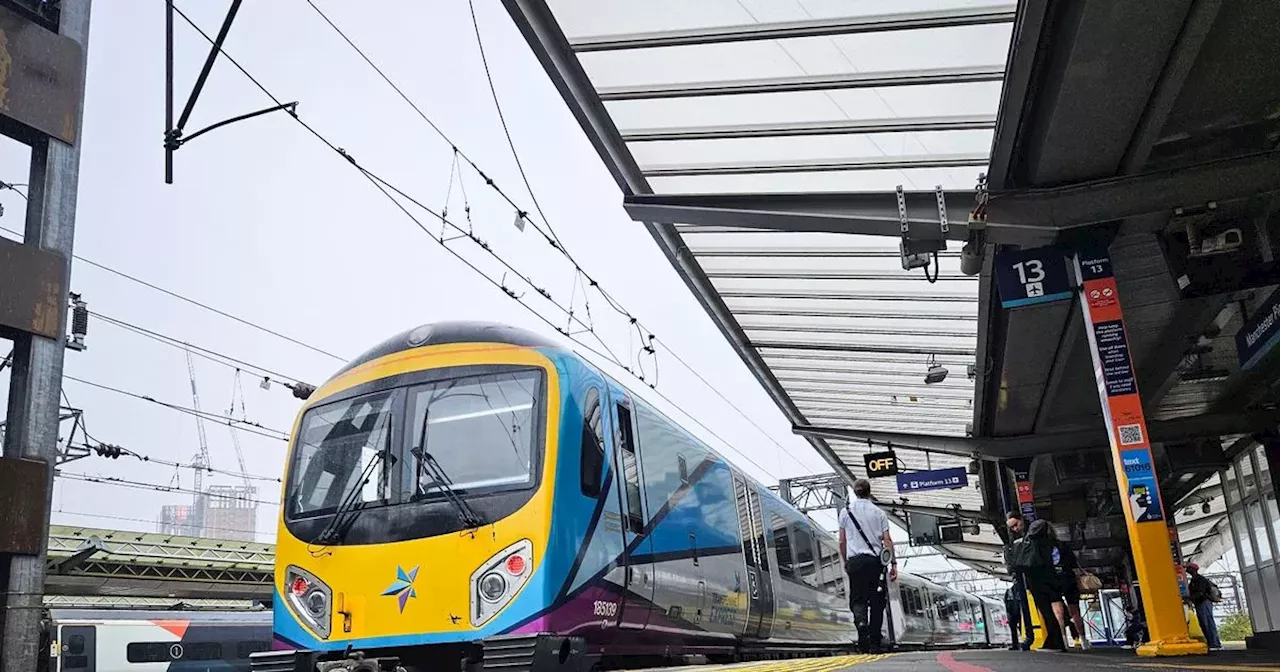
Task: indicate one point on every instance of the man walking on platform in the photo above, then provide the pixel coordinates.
(864, 540)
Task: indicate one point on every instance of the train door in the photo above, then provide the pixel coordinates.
(767, 601)
(757, 578)
(77, 646)
(638, 578)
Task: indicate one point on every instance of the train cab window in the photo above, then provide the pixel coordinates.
(782, 543)
(630, 470)
(592, 445)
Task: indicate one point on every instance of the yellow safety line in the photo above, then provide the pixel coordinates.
(830, 664)
(1212, 668)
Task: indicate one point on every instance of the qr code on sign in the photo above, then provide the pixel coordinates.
(1130, 435)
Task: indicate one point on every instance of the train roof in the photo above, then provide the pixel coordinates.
(246, 616)
(442, 333)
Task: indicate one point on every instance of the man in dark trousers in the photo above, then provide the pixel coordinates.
(864, 536)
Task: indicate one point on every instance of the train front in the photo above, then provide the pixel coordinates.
(417, 505)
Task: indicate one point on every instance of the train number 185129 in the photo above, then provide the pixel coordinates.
(606, 608)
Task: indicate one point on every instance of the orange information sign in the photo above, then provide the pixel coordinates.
(1113, 369)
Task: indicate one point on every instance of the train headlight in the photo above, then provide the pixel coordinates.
(309, 598)
(497, 580)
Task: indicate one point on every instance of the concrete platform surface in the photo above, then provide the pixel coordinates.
(1011, 661)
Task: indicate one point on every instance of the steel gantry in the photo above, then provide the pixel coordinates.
(90, 561)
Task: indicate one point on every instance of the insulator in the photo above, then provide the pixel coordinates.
(80, 319)
(303, 390)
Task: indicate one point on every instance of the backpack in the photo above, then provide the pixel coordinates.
(1215, 595)
(1025, 554)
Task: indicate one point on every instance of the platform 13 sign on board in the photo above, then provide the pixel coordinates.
(1028, 277)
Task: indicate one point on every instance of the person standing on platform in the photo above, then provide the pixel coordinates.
(1021, 612)
(1201, 593)
(864, 536)
(1032, 556)
(1013, 609)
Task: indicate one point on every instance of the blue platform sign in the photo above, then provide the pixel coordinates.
(1143, 495)
(935, 479)
(1028, 277)
(1259, 335)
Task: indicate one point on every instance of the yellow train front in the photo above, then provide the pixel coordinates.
(473, 493)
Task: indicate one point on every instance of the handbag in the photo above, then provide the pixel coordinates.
(1088, 582)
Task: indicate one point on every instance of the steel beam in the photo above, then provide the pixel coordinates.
(801, 83)
(756, 326)
(871, 213)
(826, 274)
(817, 165)
(827, 368)
(828, 27)
(891, 349)
(803, 252)
(36, 382)
(547, 41)
(1085, 203)
(813, 128)
(844, 295)
(850, 314)
(882, 401)
(1035, 444)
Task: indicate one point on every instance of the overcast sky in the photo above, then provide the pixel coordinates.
(267, 223)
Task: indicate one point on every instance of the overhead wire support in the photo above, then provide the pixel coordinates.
(391, 191)
(173, 134)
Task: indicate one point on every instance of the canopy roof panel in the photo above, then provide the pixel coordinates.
(751, 98)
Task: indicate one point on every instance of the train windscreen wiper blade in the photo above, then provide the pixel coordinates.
(350, 507)
(442, 481)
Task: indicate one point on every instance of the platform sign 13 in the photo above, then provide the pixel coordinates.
(1032, 276)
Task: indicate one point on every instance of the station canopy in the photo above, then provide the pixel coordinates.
(710, 113)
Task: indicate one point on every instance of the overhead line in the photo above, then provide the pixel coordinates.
(198, 304)
(208, 354)
(244, 425)
(386, 187)
(140, 485)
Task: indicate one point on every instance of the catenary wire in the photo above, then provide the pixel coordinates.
(206, 353)
(141, 485)
(244, 425)
(104, 516)
(550, 234)
(385, 186)
(196, 303)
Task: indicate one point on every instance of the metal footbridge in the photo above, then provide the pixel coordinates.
(86, 561)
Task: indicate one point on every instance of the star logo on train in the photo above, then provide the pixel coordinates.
(403, 586)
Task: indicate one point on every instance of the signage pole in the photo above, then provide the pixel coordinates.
(1131, 457)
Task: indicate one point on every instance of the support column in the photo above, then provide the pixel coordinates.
(1131, 456)
(36, 382)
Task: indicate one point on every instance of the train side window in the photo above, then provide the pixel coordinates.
(782, 543)
(147, 652)
(805, 562)
(202, 651)
(75, 645)
(630, 470)
(592, 445)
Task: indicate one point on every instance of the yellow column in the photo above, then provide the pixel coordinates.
(1131, 456)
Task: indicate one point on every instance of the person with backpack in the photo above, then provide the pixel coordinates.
(1201, 593)
(1032, 556)
(867, 550)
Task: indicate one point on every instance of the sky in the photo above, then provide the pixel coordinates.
(265, 222)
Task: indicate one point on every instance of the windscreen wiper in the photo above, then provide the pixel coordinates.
(428, 461)
(350, 508)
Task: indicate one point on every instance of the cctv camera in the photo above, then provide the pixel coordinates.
(937, 373)
(1205, 508)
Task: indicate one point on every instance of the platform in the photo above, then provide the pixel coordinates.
(1012, 661)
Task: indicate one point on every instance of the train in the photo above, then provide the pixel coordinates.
(475, 494)
(116, 640)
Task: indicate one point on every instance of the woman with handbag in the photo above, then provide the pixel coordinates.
(1066, 575)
